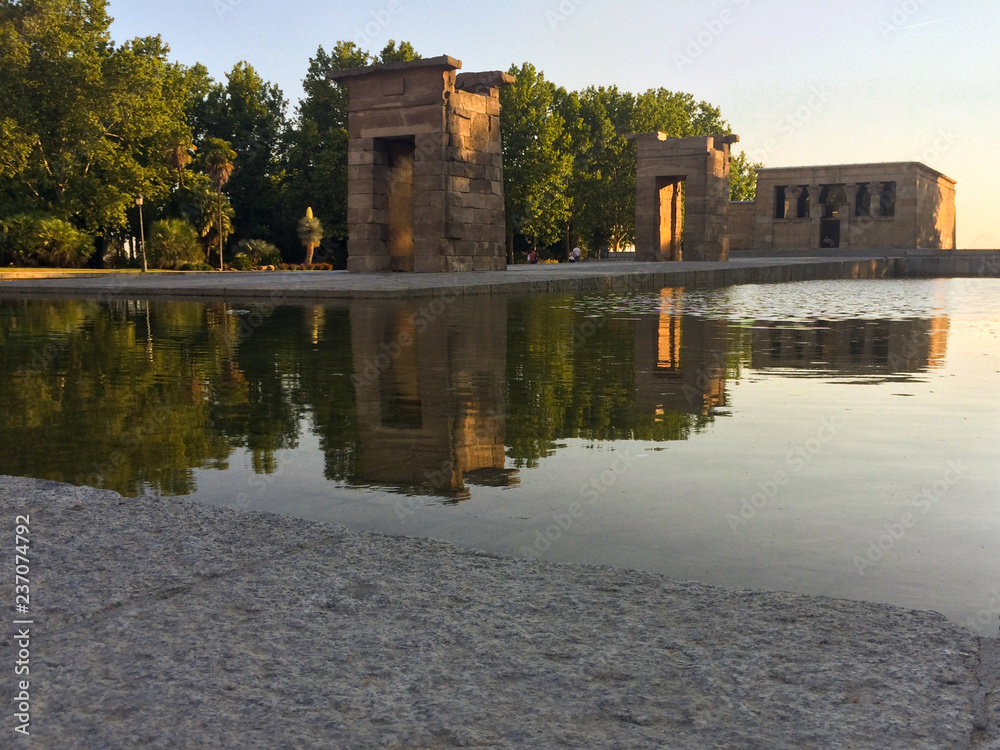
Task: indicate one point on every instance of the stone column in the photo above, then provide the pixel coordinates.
(848, 221)
(815, 205)
(792, 201)
(875, 194)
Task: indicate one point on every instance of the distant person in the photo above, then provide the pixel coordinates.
(533, 257)
(575, 256)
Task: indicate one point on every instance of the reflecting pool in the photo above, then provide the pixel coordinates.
(835, 438)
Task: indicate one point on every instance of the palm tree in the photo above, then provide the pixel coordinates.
(219, 157)
(178, 153)
(310, 233)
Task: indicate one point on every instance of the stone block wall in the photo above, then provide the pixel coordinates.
(741, 225)
(891, 206)
(682, 197)
(425, 171)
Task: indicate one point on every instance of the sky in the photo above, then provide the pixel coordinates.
(802, 83)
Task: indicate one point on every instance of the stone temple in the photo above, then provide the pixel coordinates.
(683, 211)
(425, 185)
(891, 206)
(425, 174)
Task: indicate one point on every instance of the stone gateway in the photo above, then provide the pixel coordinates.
(425, 173)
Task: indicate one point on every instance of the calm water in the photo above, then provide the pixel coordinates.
(836, 438)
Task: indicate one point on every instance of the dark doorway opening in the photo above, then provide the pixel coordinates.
(829, 232)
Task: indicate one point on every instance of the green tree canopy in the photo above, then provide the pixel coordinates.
(537, 159)
(249, 113)
(743, 178)
(317, 159)
(85, 124)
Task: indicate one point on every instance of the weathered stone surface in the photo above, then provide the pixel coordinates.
(445, 127)
(162, 623)
(915, 209)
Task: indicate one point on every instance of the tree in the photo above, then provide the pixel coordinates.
(85, 124)
(537, 160)
(42, 240)
(219, 157)
(249, 113)
(317, 157)
(603, 183)
(179, 152)
(743, 178)
(391, 53)
(310, 233)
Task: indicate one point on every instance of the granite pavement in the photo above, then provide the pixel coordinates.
(162, 623)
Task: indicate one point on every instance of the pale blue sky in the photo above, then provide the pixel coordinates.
(802, 83)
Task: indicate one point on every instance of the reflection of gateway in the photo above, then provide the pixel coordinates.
(430, 395)
(852, 346)
(680, 362)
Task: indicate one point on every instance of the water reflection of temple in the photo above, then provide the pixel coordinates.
(680, 361)
(429, 385)
(852, 346)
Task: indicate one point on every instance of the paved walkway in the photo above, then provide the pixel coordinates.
(160, 623)
(333, 285)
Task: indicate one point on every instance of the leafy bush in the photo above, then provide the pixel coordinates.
(241, 262)
(41, 240)
(196, 267)
(260, 252)
(173, 243)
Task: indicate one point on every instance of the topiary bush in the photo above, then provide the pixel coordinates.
(173, 243)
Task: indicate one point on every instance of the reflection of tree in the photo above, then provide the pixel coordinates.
(570, 375)
(253, 403)
(134, 396)
(322, 360)
(102, 407)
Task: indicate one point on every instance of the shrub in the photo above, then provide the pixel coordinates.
(196, 267)
(260, 252)
(173, 243)
(241, 262)
(41, 240)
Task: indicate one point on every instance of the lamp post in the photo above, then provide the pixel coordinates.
(142, 233)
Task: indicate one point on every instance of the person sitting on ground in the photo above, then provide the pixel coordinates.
(575, 257)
